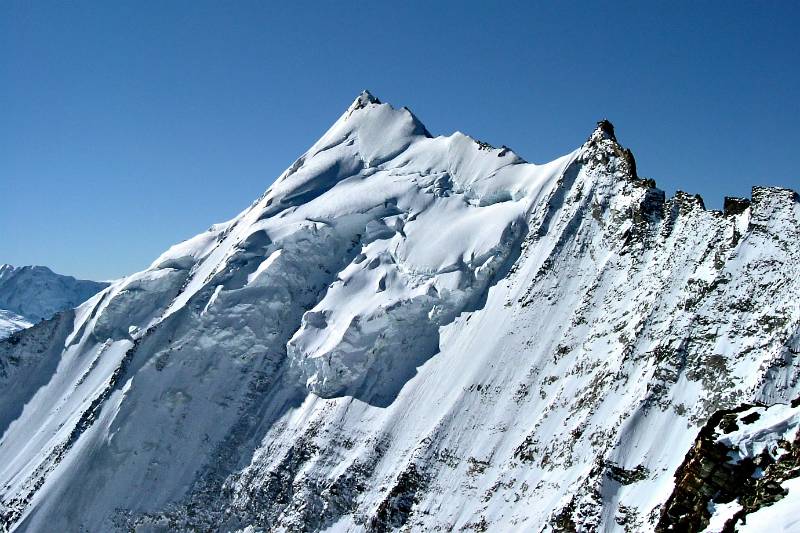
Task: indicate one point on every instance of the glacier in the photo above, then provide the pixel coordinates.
(409, 332)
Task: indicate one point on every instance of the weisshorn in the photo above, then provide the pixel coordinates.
(419, 333)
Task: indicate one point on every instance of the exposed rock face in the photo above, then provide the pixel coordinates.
(740, 458)
(408, 332)
(735, 206)
(607, 129)
(707, 475)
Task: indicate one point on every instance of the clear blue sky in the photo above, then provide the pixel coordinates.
(128, 126)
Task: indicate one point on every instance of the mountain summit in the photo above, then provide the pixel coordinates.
(408, 331)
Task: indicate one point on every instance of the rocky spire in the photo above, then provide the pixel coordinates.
(603, 145)
(606, 129)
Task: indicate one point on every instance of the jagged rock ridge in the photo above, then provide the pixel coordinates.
(408, 331)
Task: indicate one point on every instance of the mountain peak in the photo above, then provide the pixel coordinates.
(363, 100)
(603, 146)
(604, 130)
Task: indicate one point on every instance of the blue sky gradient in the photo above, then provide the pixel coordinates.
(129, 126)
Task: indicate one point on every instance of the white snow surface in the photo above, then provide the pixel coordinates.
(720, 514)
(781, 516)
(779, 422)
(407, 331)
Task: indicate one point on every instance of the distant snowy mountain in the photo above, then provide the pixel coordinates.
(11, 322)
(418, 333)
(29, 294)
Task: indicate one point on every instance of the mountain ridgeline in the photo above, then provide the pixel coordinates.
(409, 332)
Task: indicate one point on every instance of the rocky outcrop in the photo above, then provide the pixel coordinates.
(740, 457)
(706, 475)
(735, 206)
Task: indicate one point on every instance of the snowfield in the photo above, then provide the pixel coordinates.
(408, 332)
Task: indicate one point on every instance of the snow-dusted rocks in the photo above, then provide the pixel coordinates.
(742, 474)
(408, 331)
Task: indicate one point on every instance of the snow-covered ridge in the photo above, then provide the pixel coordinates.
(408, 331)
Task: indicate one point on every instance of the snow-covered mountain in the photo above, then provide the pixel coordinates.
(29, 294)
(11, 322)
(409, 332)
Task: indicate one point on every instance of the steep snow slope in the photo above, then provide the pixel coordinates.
(408, 331)
(29, 294)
